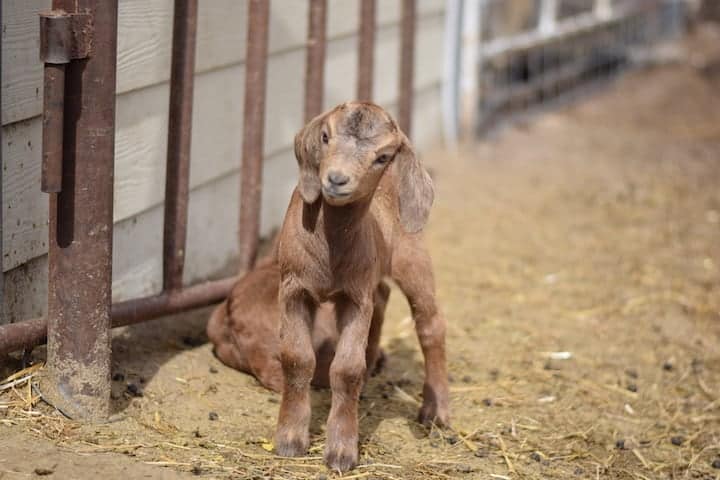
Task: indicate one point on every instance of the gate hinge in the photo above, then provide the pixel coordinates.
(65, 36)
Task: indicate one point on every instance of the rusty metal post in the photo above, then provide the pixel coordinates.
(366, 50)
(315, 59)
(253, 131)
(177, 176)
(407, 65)
(77, 377)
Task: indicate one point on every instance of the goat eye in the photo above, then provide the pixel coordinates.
(325, 138)
(382, 159)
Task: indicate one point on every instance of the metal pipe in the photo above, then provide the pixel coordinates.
(142, 309)
(253, 131)
(77, 378)
(407, 65)
(315, 59)
(20, 335)
(366, 50)
(177, 179)
(30, 333)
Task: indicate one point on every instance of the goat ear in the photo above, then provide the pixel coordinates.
(415, 188)
(307, 153)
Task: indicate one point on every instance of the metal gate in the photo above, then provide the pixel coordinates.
(518, 54)
(79, 50)
(564, 45)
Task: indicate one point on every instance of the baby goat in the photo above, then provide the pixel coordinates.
(353, 220)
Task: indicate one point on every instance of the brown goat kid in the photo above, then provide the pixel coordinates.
(351, 221)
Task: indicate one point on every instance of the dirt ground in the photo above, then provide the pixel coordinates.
(577, 257)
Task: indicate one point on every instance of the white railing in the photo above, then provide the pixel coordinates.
(469, 49)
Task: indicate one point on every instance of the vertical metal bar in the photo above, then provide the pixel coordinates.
(482, 85)
(253, 131)
(451, 70)
(469, 66)
(315, 59)
(53, 113)
(603, 9)
(407, 65)
(77, 377)
(366, 50)
(548, 16)
(177, 178)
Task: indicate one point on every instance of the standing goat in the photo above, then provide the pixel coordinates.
(353, 220)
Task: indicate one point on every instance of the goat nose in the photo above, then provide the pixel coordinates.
(337, 179)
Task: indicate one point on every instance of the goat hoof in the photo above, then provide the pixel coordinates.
(291, 446)
(341, 459)
(432, 414)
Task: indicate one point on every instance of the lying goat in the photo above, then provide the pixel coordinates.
(352, 220)
(245, 329)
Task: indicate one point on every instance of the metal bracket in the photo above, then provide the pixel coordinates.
(65, 36)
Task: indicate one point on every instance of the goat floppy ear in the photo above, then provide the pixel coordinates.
(307, 153)
(415, 188)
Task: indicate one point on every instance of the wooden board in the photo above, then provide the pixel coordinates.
(145, 39)
(21, 67)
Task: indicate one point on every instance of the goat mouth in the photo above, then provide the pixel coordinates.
(335, 195)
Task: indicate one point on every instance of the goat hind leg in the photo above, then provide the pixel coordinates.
(412, 270)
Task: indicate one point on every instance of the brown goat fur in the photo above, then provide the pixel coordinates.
(245, 329)
(356, 217)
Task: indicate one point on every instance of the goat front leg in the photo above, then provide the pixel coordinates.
(347, 375)
(412, 270)
(298, 364)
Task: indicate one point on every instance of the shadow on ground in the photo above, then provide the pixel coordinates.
(140, 351)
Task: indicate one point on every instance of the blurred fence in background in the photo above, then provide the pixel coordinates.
(519, 54)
